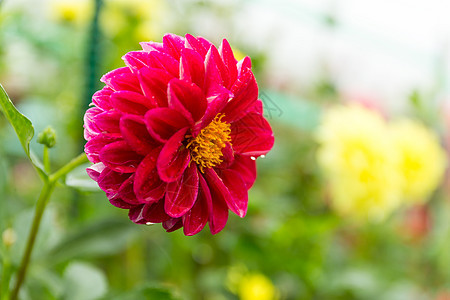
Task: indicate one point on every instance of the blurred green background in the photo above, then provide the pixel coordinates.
(292, 244)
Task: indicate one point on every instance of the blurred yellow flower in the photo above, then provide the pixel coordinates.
(71, 11)
(257, 287)
(359, 163)
(374, 167)
(422, 160)
(250, 286)
(145, 16)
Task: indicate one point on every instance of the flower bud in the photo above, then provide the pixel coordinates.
(47, 137)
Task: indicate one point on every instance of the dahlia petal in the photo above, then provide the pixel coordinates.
(174, 158)
(154, 82)
(107, 122)
(245, 92)
(238, 191)
(136, 60)
(194, 44)
(172, 224)
(148, 187)
(257, 107)
(161, 60)
(151, 46)
(91, 113)
(251, 135)
(90, 127)
(246, 167)
(123, 82)
(181, 194)
(197, 217)
(131, 102)
(162, 123)
(110, 181)
(96, 144)
(244, 64)
(192, 67)
(120, 157)
(217, 208)
(126, 192)
(227, 157)
(214, 70)
(136, 214)
(136, 135)
(214, 61)
(95, 170)
(173, 44)
(216, 91)
(118, 202)
(101, 98)
(187, 98)
(228, 59)
(108, 77)
(155, 213)
(151, 212)
(216, 103)
(204, 42)
(231, 188)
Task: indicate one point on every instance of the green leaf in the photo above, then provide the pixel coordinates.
(22, 126)
(43, 279)
(80, 180)
(84, 282)
(49, 232)
(104, 237)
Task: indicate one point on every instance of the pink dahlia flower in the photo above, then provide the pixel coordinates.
(174, 135)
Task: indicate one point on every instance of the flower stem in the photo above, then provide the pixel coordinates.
(46, 192)
(40, 207)
(46, 160)
(5, 279)
(77, 161)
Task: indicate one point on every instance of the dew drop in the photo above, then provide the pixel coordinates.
(253, 158)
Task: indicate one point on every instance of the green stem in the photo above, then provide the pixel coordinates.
(77, 161)
(46, 192)
(5, 279)
(40, 207)
(46, 160)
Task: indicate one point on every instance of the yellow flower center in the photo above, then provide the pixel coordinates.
(206, 147)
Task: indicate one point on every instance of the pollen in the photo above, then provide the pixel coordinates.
(206, 148)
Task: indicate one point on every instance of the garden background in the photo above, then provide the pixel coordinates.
(308, 57)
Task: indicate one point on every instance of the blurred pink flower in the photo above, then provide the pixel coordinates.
(367, 101)
(174, 135)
